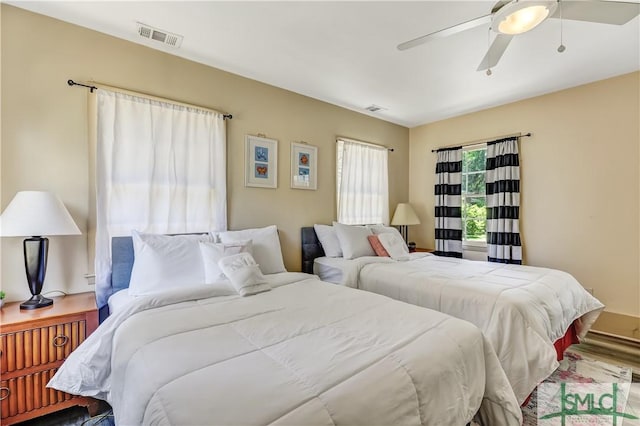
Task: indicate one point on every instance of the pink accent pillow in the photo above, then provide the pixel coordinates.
(377, 246)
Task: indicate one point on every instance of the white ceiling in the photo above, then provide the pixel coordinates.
(345, 53)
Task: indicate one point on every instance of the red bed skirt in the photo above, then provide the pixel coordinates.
(569, 338)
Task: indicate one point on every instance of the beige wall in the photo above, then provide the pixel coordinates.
(579, 177)
(44, 135)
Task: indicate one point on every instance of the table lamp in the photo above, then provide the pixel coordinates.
(404, 216)
(34, 214)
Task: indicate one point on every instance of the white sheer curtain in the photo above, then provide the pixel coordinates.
(160, 168)
(362, 179)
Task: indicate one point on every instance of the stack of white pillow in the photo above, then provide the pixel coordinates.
(164, 262)
(353, 241)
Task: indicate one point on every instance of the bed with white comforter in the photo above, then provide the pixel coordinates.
(522, 310)
(306, 352)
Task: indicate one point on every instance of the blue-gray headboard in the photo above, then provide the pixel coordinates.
(121, 264)
(311, 248)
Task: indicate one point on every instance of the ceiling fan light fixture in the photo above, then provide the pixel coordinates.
(519, 17)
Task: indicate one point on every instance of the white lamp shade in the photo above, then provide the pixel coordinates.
(36, 213)
(405, 215)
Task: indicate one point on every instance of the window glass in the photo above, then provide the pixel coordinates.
(474, 200)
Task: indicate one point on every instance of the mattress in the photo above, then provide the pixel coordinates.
(306, 352)
(522, 310)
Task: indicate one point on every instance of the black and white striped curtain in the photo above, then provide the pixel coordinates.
(448, 212)
(503, 201)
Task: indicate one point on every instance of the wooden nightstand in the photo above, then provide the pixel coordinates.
(424, 250)
(33, 345)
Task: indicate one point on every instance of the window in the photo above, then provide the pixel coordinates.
(160, 168)
(474, 198)
(362, 183)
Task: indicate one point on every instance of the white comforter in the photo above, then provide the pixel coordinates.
(521, 309)
(304, 353)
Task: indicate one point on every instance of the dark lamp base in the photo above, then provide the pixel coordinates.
(36, 301)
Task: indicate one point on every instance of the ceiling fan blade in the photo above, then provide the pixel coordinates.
(446, 32)
(604, 12)
(495, 52)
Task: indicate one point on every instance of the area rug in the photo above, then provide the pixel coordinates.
(575, 368)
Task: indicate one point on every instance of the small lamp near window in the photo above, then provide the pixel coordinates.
(403, 217)
(34, 214)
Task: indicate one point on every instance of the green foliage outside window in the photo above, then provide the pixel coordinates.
(474, 161)
(476, 221)
(474, 212)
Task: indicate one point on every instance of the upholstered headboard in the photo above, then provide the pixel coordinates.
(121, 262)
(121, 265)
(311, 248)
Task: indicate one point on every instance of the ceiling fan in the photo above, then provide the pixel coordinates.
(509, 18)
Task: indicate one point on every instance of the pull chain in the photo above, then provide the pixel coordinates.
(562, 47)
(489, 52)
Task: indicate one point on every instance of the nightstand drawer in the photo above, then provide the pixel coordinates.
(23, 394)
(39, 346)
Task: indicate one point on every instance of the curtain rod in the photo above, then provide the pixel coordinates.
(485, 140)
(92, 88)
(339, 138)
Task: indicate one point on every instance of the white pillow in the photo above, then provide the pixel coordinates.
(265, 246)
(328, 240)
(380, 229)
(353, 240)
(163, 262)
(394, 245)
(214, 236)
(213, 252)
(244, 274)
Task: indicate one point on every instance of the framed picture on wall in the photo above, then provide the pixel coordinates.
(304, 166)
(261, 162)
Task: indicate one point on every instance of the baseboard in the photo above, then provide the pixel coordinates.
(612, 324)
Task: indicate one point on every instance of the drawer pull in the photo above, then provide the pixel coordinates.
(4, 393)
(60, 340)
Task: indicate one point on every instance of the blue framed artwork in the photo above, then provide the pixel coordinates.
(304, 166)
(261, 162)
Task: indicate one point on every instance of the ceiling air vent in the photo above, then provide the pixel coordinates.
(164, 37)
(374, 108)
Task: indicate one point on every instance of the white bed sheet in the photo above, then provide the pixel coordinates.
(119, 300)
(304, 353)
(338, 270)
(333, 269)
(521, 309)
(122, 298)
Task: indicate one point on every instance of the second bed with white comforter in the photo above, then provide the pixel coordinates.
(522, 310)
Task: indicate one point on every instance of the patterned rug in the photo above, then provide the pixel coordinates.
(573, 369)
